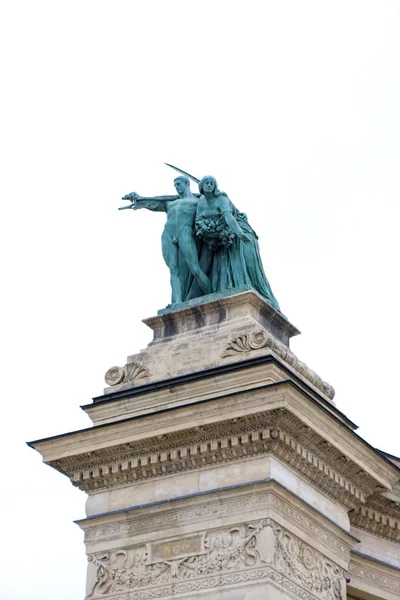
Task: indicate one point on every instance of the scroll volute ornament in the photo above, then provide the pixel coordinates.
(131, 371)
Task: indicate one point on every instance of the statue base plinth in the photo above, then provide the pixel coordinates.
(193, 338)
(207, 340)
(219, 308)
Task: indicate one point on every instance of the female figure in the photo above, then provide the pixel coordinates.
(230, 254)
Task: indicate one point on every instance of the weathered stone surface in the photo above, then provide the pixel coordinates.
(369, 578)
(248, 537)
(218, 468)
(212, 334)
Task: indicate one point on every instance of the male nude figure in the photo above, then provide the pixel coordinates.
(178, 234)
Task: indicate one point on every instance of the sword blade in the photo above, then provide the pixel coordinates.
(183, 173)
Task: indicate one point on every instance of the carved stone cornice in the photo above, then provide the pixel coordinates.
(247, 552)
(378, 523)
(248, 342)
(279, 419)
(277, 432)
(387, 503)
(230, 377)
(380, 515)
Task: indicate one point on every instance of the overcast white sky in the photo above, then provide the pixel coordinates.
(293, 106)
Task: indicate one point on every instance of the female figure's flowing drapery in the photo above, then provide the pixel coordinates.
(228, 261)
(242, 264)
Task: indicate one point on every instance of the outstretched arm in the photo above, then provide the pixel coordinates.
(231, 221)
(155, 203)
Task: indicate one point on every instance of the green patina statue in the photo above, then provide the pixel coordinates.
(177, 240)
(207, 243)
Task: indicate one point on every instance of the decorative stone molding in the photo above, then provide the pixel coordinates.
(181, 589)
(376, 522)
(222, 451)
(195, 512)
(373, 573)
(263, 339)
(132, 370)
(277, 432)
(213, 558)
(306, 566)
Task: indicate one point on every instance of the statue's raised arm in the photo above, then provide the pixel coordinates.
(178, 239)
(155, 203)
(207, 243)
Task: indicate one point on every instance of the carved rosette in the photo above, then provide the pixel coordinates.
(129, 372)
(251, 552)
(262, 339)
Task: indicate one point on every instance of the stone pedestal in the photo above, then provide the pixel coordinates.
(218, 466)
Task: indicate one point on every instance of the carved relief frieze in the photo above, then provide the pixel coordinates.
(215, 558)
(307, 567)
(165, 519)
(183, 588)
(263, 339)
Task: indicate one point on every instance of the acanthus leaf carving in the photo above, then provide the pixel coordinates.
(263, 339)
(132, 370)
(135, 370)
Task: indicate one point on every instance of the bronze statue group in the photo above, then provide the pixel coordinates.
(207, 243)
